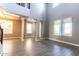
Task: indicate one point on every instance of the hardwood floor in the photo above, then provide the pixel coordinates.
(30, 47)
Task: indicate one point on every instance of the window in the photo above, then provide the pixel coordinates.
(63, 28)
(7, 26)
(29, 28)
(40, 29)
(21, 4)
(57, 27)
(55, 4)
(18, 3)
(28, 5)
(67, 27)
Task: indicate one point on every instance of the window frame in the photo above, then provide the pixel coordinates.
(21, 4)
(64, 22)
(58, 34)
(62, 27)
(27, 28)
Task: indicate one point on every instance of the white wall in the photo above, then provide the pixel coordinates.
(61, 12)
(16, 9)
(37, 11)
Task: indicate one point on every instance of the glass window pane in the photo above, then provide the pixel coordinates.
(67, 27)
(29, 27)
(40, 29)
(57, 27)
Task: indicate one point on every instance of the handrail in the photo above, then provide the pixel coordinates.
(1, 35)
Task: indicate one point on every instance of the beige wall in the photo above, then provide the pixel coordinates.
(16, 29)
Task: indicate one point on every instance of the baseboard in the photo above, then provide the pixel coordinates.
(30, 36)
(64, 42)
(12, 38)
(35, 37)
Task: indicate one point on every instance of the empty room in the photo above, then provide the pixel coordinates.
(39, 29)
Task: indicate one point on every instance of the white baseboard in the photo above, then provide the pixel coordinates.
(29, 37)
(12, 38)
(35, 37)
(64, 42)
